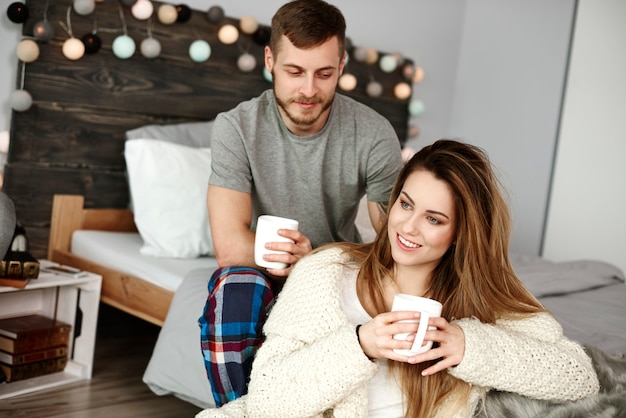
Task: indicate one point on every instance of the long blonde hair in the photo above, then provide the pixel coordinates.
(473, 279)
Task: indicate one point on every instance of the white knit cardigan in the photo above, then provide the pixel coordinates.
(311, 364)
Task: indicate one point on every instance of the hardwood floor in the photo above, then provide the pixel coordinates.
(123, 349)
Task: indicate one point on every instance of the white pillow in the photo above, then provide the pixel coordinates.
(168, 185)
(193, 134)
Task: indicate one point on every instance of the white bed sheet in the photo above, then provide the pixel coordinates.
(120, 251)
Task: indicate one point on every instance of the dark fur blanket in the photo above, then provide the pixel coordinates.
(609, 403)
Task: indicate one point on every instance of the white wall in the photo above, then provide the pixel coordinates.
(494, 74)
(10, 33)
(508, 95)
(587, 212)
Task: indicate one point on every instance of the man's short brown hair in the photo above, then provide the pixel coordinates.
(308, 23)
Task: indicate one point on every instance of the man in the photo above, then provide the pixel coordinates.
(299, 151)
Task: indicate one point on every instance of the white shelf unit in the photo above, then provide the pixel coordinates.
(61, 298)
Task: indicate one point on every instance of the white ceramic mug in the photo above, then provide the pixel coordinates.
(267, 227)
(427, 308)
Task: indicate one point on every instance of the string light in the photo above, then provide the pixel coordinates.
(215, 14)
(228, 34)
(43, 30)
(248, 25)
(73, 49)
(183, 13)
(150, 47)
(84, 7)
(20, 99)
(142, 9)
(27, 50)
(200, 50)
(123, 45)
(246, 62)
(167, 14)
(17, 12)
(347, 82)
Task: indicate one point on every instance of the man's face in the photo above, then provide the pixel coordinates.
(304, 83)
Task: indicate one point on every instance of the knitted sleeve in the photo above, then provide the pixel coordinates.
(291, 378)
(527, 356)
(311, 360)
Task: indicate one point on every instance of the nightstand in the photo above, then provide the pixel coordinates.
(71, 300)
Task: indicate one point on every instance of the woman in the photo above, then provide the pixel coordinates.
(446, 237)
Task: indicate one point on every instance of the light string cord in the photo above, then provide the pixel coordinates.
(68, 27)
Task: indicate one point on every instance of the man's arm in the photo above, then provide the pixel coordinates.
(230, 216)
(376, 213)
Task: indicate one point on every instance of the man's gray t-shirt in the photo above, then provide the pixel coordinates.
(317, 180)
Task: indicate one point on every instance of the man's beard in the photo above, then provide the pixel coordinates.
(307, 119)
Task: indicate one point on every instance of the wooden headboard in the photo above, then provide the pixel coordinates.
(71, 140)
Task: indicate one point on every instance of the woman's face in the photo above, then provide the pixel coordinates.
(421, 223)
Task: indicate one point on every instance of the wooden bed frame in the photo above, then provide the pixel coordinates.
(125, 292)
(65, 168)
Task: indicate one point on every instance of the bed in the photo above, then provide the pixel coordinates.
(72, 173)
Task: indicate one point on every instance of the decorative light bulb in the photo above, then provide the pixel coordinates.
(261, 36)
(374, 89)
(167, 14)
(73, 49)
(4, 142)
(372, 56)
(43, 31)
(228, 34)
(84, 7)
(388, 63)
(416, 108)
(123, 47)
(150, 48)
(408, 71)
(21, 100)
(402, 91)
(17, 12)
(419, 75)
(183, 13)
(27, 50)
(92, 43)
(246, 62)
(142, 9)
(199, 50)
(248, 25)
(360, 54)
(215, 14)
(347, 82)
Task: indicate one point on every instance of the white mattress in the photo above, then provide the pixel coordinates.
(120, 251)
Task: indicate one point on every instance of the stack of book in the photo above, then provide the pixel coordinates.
(32, 346)
(17, 268)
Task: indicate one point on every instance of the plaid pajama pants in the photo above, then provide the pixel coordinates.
(231, 328)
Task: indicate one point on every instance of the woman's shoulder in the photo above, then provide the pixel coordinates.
(327, 256)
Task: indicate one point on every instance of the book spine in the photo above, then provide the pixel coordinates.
(33, 342)
(17, 359)
(38, 368)
(18, 283)
(38, 333)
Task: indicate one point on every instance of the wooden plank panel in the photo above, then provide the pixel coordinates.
(75, 136)
(32, 188)
(172, 88)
